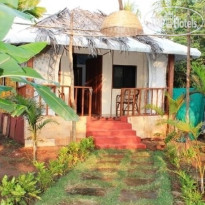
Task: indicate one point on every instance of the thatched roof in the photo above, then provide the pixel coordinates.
(86, 31)
(56, 30)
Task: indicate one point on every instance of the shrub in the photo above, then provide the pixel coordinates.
(25, 188)
(56, 168)
(21, 190)
(189, 189)
(173, 155)
(86, 146)
(43, 176)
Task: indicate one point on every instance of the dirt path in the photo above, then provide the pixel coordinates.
(15, 159)
(114, 178)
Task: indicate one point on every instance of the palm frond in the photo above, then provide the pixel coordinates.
(131, 6)
(40, 125)
(199, 77)
(157, 109)
(171, 136)
(186, 127)
(175, 105)
(30, 6)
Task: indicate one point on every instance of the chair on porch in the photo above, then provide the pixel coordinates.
(129, 102)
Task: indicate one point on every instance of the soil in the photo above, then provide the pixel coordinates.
(16, 159)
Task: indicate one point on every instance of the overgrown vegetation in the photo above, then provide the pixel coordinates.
(26, 188)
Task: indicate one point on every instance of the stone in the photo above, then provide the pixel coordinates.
(105, 170)
(89, 176)
(79, 202)
(137, 182)
(88, 191)
(133, 196)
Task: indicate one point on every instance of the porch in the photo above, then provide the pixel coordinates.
(128, 101)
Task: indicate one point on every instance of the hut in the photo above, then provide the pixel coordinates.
(113, 77)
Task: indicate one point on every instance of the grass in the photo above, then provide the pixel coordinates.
(160, 180)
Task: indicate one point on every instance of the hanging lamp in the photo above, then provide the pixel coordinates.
(121, 23)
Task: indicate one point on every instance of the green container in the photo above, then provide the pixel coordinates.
(197, 103)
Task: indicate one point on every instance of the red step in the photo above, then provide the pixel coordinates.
(120, 146)
(113, 140)
(99, 133)
(114, 133)
(107, 125)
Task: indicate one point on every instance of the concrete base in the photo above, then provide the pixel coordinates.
(56, 134)
(146, 126)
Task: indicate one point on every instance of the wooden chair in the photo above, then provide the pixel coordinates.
(130, 102)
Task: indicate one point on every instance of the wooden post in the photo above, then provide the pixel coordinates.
(70, 56)
(170, 80)
(120, 4)
(29, 89)
(170, 84)
(170, 74)
(188, 70)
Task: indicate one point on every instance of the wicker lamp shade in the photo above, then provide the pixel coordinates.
(121, 23)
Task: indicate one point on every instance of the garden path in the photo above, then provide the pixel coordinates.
(114, 177)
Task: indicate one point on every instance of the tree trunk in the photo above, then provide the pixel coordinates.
(202, 184)
(188, 79)
(120, 4)
(34, 147)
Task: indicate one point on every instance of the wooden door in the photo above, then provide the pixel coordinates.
(94, 79)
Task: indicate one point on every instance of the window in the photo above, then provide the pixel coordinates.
(124, 76)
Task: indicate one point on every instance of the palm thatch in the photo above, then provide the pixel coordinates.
(86, 31)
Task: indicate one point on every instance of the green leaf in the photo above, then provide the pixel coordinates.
(11, 3)
(32, 49)
(12, 108)
(55, 103)
(44, 123)
(7, 15)
(25, 72)
(5, 88)
(19, 109)
(22, 53)
(7, 105)
(8, 63)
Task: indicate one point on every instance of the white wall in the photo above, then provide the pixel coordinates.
(146, 126)
(120, 58)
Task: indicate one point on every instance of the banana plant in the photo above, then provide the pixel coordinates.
(12, 56)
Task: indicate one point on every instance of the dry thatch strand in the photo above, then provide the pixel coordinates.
(121, 23)
(86, 30)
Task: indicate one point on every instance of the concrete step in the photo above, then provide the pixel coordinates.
(120, 146)
(112, 125)
(117, 140)
(124, 132)
(113, 133)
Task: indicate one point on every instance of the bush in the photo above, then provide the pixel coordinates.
(43, 176)
(27, 187)
(21, 190)
(189, 189)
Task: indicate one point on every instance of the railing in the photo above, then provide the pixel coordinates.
(82, 97)
(84, 102)
(134, 101)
